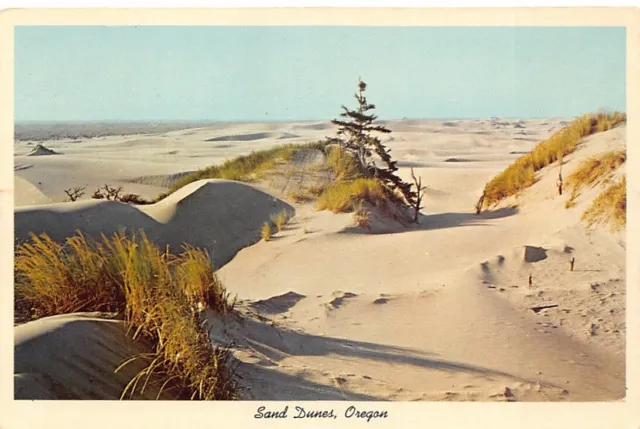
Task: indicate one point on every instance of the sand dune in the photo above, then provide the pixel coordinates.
(161, 180)
(437, 311)
(55, 355)
(220, 216)
(40, 150)
(413, 288)
(29, 193)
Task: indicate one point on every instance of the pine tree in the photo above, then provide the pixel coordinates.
(354, 135)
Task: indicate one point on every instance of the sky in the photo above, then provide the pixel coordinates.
(221, 73)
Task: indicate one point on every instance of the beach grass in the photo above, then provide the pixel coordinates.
(280, 219)
(521, 173)
(610, 207)
(161, 296)
(596, 168)
(343, 165)
(265, 231)
(343, 197)
(245, 168)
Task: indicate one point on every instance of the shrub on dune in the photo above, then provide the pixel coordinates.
(161, 296)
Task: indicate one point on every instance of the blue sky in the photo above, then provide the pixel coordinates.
(307, 73)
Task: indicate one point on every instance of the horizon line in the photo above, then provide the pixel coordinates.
(253, 120)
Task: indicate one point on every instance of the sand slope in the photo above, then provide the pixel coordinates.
(409, 315)
(74, 356)
(217, 215)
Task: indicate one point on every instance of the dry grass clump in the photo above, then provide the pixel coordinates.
(55, 279)
(521, 174)
(345, 196)
(265, 231)
(300, 196)
(610, 207)
(306, 195)
(280, 219)
(343, 165)
(161, 296)
(596, 168)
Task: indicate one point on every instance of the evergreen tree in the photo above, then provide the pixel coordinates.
(354, 135)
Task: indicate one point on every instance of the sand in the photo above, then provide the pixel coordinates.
(74, 356)
(436, 311)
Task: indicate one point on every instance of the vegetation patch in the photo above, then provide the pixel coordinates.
(162, 297)
(246, 168)
(521, 174)
(115, 194)
(343, 165)
(596, 168)
(610, 207)
(280, 219)
(343, 197)
(265, 231)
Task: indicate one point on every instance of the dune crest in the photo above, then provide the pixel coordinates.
(218, 215)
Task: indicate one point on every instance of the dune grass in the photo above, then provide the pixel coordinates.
(280, 219)
(245, 168)
(610, 207)
(343, 197)
(343, 165)
(265, 231)
(160, 295)
(301, 196)
(596, 168)
(351, 187)
(521, 174)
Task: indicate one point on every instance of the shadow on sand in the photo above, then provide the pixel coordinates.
(441, 221)
(274, 344)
